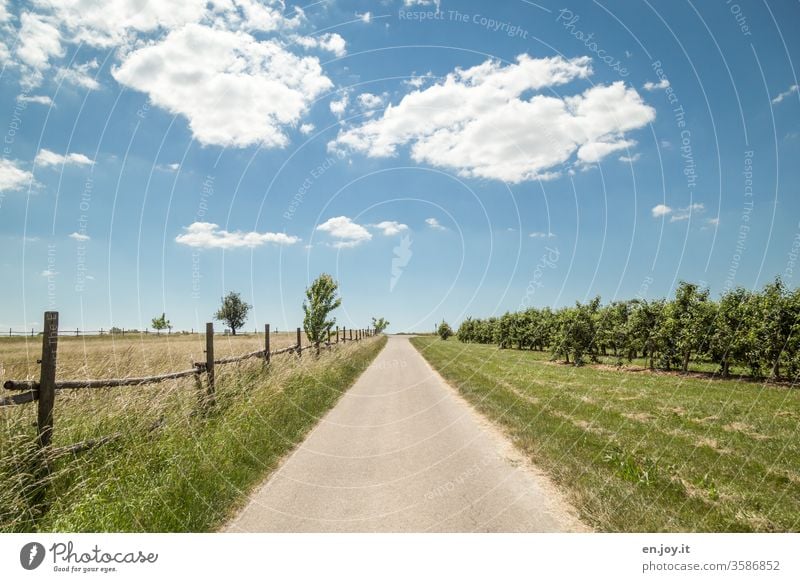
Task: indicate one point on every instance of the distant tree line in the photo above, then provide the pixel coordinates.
(755, 330)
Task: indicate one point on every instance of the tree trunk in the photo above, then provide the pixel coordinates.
(233, 330)
(725, 368)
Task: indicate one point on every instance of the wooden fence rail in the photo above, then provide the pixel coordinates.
(43, 391)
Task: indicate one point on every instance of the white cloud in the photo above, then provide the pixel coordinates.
(630, 159)
(40, 99)
(539, 234)
(331, 42)
(338, 106)
(39, 40)
(666, 144)
(307, 128)
(207, 235)
(79, 76)
(173, 167)
(369, 101)
(391, 227)
(365, 18)
(685, 213)
(436, 3)
(788, 93)
(419, 81)
(650, 86)
(12, 177)
(434, 224)
(233, 89)
(660, 210)
(348, 233)
(481, 122)
(79, 237)
(48, 158)
(713, 221)
(48, 273)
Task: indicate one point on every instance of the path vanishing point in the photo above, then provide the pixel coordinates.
(402, 451)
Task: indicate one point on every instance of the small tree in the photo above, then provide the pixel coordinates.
(444, 330)
(321, 299)
(379, 324)
(160, 323)
(233, 311)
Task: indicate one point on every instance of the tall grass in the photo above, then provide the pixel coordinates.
(178, 466)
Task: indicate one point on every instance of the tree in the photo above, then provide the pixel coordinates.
(379, 324)
(233, 311)
(160, 323)
(321, 299)
(444, 330)
(690, 315)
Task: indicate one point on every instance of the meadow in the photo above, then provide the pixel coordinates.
(641, 451)
(178, 466)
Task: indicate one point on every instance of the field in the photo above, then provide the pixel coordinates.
(178, 467)
(641, 451)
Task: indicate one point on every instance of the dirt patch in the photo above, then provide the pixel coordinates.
(745, 429)
(638, 416)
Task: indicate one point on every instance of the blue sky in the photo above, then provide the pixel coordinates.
(440, 160)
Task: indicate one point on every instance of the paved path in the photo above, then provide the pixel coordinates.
(403, 452)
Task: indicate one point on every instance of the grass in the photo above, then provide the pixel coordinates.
(640, 451)
(193, 471)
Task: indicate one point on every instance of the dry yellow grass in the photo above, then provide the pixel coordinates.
(124, 356)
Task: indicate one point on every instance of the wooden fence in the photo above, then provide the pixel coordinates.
(44, 391)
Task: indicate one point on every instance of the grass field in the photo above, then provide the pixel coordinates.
(191, 472)
(129, 355)
(641, 451)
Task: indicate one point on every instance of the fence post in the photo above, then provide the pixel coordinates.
(266, 344)
(47, 378)
(351, 334)
(299, 345)
(337, 334)
(210, 362)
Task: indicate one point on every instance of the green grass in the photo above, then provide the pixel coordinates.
(640, 451)
(191, 473)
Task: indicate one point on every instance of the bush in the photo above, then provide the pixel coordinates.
(444, 330)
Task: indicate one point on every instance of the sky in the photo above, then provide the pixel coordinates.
(439, 159)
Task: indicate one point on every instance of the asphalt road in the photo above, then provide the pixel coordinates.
(403, 452)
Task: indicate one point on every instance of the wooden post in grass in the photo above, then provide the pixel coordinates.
(266, 343)
(351, 334)
(47, 379)
(344, 333)
(337, 334)
(210, 362)
(299, 344)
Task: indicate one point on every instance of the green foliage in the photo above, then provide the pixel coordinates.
(233, 311)
(321, 299)
(158, 323)
(379, 324)
(444, 330)
(756, 331)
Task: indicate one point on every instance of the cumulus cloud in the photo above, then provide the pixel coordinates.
(391, 227)
(207, 235)
(483, 122)
(539, 234)
(47, 158)
(788, 93)
(434, 224)
(233, 89)
(331, 42)
(79, 236)
(339, 106)
(650, 86)
(630, 159)
(12, 177)
(436, 3)
(346, 232)
(660, 210)
(366, 18)
(307, 128)
(193, 58)
(370, 101)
